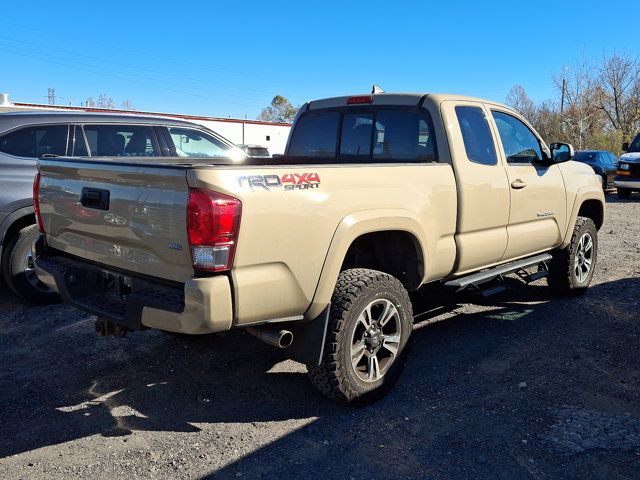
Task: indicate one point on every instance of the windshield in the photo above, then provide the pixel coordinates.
(635, 145)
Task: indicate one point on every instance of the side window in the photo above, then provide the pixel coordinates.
(189, 142)
(519, 143)
(356, 135)
(121, 141)
(315, 135)
(478, 143)
(33, 142)
(403, 135)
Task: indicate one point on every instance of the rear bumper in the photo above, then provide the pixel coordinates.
(202, 305)
(631, 183)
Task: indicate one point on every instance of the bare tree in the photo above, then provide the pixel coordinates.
(618, 93)
(105, 101)
(518, 99)
(127, 105)
(90, 102)
(577, 87)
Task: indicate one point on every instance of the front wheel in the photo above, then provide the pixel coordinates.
(571, 269)
(19, 271)
(365, 347)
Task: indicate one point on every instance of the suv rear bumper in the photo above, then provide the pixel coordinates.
(202, 305)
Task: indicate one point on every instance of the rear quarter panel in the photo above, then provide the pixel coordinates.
(292, 242)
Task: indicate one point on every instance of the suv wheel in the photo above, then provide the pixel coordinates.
(624, 193)
(369, 327)
(18, 269)
(571, 269)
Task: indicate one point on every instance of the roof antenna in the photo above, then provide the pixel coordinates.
(377, 89)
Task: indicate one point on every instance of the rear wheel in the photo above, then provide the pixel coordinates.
(624, 193)
(19, 271)
(572, 268)
(369, 328)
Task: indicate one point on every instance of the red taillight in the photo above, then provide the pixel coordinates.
(213, 221)
(360, 99)
(36, 202)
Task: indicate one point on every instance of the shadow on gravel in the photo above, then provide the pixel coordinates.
(483, 395)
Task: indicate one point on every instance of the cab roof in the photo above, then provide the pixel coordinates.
(408, 99)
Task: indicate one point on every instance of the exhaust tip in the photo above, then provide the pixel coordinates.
(286, 339)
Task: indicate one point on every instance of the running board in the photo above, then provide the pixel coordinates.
(496, 273)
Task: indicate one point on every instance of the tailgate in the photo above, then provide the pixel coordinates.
(132, 217)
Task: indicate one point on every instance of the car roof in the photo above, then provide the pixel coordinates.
(11, 120)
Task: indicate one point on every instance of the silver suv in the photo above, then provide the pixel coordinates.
(27, 136)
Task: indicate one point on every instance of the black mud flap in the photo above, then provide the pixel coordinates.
(309, 339)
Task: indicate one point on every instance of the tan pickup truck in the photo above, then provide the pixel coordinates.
(315, 251)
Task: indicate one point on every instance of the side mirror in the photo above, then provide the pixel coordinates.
(625, 146)
(561, 152)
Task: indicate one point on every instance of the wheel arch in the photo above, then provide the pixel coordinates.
(15, 222)
(588, 203)
(352, 244)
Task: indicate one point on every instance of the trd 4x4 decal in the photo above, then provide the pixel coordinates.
(288, 181)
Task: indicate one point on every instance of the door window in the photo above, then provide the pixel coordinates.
(121, 141)
(519, 143)
(476, 135)
(33, 142)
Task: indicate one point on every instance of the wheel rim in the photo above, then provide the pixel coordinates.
(376, 340)
(28, 267)
(584, 258)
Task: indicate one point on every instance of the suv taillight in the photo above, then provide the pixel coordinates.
(213, 221)
(36, 202)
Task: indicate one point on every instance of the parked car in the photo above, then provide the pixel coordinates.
(25, 136)
(604, 163)
(315, 252)
(257, 151)
(628, 176)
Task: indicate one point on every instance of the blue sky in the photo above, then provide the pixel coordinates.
(228, 58)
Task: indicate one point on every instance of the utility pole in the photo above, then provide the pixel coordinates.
(51, 95)
(564, 87)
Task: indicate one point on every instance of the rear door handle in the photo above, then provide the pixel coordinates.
(518, 183)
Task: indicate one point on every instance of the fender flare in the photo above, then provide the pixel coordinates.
(12, 218)
(583, 194)
(350, 228)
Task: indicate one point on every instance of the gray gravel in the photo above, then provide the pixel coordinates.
(522, 385)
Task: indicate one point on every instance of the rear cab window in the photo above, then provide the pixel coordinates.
(364, 135)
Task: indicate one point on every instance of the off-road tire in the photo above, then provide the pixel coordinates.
(624, 193)
(335, 377)
(562, 268)
(15, 276)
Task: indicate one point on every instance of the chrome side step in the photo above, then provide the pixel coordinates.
(519, 267)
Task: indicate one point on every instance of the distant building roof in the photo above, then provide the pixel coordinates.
(39, 107)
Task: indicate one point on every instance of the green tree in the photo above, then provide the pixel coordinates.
(280, 111)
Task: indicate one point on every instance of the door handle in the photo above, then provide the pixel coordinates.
(518, 183)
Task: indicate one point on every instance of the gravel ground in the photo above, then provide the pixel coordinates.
(521, 385)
